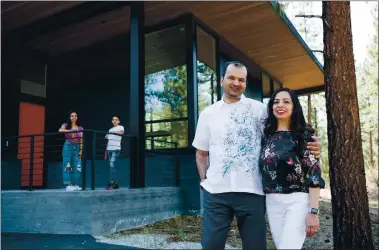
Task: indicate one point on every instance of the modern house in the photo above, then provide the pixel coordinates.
(157, 65)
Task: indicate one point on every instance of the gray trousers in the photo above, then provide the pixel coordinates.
(219, 210)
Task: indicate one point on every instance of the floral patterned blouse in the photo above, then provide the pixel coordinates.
(283, 169)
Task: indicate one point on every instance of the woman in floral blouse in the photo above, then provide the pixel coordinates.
(291, 175)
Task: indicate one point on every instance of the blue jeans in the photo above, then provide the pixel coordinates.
(113, 156)
(71, 163)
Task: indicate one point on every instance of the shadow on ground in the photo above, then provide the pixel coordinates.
(22, 241)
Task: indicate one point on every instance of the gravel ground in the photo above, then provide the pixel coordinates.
(184, 232)
(150, 241)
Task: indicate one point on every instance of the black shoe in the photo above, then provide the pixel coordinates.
(112, 185)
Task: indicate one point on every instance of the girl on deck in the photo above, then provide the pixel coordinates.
(72, 152)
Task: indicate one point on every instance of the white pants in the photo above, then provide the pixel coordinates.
(287, 214)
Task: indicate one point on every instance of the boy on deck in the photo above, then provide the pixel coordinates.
(113, 150)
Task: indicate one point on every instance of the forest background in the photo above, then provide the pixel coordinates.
(364, 17)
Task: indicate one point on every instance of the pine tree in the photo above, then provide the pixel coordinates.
(351, 219)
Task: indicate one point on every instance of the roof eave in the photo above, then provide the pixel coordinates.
(276, 6)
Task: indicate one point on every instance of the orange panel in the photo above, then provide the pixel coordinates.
(31, 121)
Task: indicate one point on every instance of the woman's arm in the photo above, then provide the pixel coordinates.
(81, 147)
(314, 182)
(63, 128)
(81, 143)
(313, 222)
(314, 195)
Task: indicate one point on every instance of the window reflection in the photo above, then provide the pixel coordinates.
(206, 70)
(166, 89)
(276, 85)
(266, 86)
(207, 86)
(167, 134)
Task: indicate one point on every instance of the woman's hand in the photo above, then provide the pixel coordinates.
(313, 224)
(80, 154)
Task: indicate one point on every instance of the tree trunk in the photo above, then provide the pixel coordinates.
(309, 109)
(351, 220)
(371, 152)
(372, 163)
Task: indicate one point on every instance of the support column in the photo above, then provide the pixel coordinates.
(271, 86)
(137, 94)
(191, 58)
(218, 69)
(310, 109)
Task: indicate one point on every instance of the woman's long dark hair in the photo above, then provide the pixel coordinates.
(69, 120)
(297, 123)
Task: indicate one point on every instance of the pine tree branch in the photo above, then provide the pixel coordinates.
(309, 16)
(327, 24)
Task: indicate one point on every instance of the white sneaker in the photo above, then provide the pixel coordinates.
(77, 188)
(70, 188)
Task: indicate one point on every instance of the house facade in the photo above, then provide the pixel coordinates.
(155, 64)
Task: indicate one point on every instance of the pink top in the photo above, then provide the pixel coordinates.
(75, 136)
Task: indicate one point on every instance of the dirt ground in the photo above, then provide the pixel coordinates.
(189, 229)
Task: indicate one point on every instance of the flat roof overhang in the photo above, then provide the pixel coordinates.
(258, 29)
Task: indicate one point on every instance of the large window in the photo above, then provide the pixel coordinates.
(166, 89)
(266, 88)
(206, 70)
(276, 85)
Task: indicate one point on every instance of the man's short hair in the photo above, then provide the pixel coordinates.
(234, 63)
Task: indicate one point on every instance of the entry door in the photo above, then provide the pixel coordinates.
(31, 121)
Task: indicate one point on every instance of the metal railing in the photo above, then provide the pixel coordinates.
(162, 144)
(37, 150)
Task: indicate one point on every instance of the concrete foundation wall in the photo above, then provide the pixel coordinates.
(98, 212)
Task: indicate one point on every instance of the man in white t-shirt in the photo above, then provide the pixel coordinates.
(229, 132)
(113, 150)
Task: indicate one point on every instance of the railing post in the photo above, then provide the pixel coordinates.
(31, 163)
(84, 162)
(152, 144)
(177, 166)
(133, 178)
(93, 159)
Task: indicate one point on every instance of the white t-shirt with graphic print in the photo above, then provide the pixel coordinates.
(114, 141)
(232, 134)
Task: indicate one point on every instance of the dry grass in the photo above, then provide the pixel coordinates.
(189, 229)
